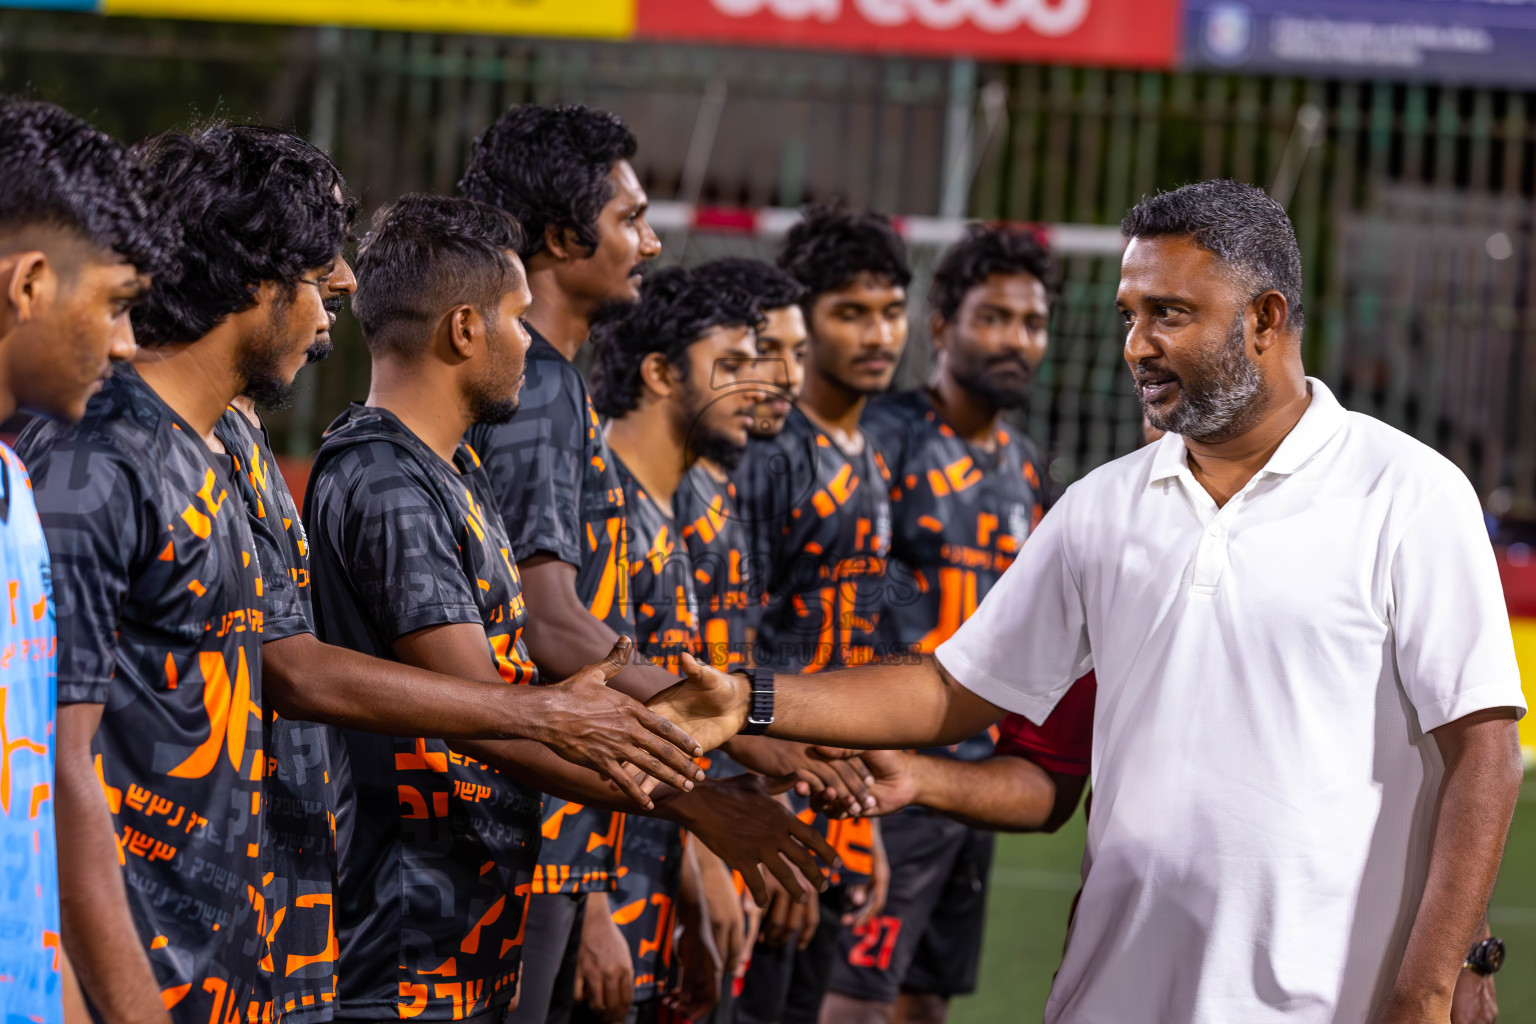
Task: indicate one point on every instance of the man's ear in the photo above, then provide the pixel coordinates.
(658, 375)
(938, 332)
(1271, 320)
(562, 244)
(465, 328)
(30, 284)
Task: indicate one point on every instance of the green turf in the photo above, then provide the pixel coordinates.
(1035, 878)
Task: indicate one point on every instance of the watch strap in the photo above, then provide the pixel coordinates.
(759, 701)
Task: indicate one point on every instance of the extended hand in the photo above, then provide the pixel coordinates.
(894, 784)
(711, 705)
(753, 832)
(837, 786)
(591, 725)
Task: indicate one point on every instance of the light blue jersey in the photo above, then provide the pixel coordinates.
(30, 978)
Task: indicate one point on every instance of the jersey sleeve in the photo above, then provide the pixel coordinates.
(1063, 743)
(398, 544)
(1450, 627)
(284, 610)
(93, 518)
(1028, 641)
(536, 463)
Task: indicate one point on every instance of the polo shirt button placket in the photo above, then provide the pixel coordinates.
(1211, 557)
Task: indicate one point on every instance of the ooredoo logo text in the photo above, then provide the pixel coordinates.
(1047, 17)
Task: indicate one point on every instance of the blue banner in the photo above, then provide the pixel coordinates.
(1472, 42)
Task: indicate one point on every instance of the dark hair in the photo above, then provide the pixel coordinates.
(1240, 224)
(548, 167)
(59, 172)
(769, 286)
(255, 205)
(425, 255)
(676, 308)
(831, 245)
(985, 250)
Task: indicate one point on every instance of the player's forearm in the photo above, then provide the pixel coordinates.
(306, 680)
(879, 707)
(1476, 804)
(1006, 794)
(99, 935)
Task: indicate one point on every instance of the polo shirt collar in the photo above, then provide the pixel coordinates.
(1317, 426)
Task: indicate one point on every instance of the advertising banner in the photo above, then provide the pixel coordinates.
(614, 19)
(1467, 42)
(1124, 33)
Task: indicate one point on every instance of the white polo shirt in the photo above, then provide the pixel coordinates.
(1267, 671)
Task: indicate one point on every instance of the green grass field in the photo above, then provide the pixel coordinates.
(1035, 877)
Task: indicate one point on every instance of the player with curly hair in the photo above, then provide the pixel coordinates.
(817, 496)
(674, 373)
(564, 172)
(179, 608)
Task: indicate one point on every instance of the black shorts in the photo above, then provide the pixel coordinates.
(928, 940)
(785, 985)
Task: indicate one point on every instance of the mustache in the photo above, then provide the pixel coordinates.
(1145, 372)
(333, 305)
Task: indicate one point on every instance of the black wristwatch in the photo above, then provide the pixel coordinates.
(760, 707)
(1486, 957)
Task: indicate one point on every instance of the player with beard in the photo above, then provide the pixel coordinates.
(79, 241)
(966, 494)
(409, 565)
(817, 496)
(670, 373)
(564, 173)
(164, 621)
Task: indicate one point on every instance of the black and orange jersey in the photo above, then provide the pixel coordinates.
(660, 579)
(821, 521)
(160, 620)
(719, 546)
(959, 517)
(559, 494)
(436, 849)
(299, 832)
(666, 618)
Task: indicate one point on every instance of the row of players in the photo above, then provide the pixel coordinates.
(287, 762)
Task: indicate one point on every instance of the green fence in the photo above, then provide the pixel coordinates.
(1412, 202)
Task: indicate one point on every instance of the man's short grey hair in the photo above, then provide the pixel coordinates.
(1243, 227)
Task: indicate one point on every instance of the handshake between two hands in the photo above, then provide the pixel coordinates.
(639, 748)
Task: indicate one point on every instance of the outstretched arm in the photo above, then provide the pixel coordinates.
(735, 817)
(580, 719)
(873, 707)
(1475, 806)
(1005, 793)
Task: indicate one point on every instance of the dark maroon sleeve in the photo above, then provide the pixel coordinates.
(1064, 744)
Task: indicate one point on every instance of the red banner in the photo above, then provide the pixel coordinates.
(1124, 33)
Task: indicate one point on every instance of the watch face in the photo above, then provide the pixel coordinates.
(1493, 954)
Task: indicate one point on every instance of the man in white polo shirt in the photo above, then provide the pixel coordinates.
(1283, 602)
